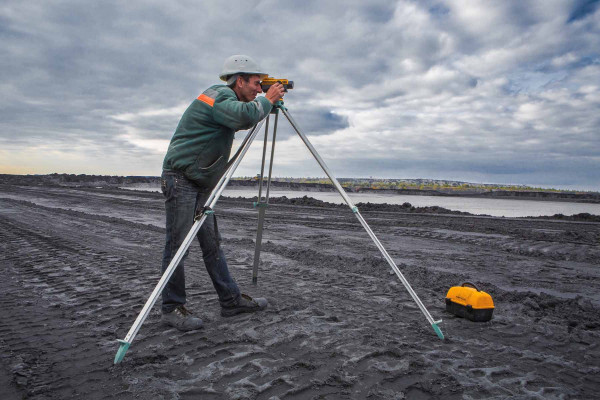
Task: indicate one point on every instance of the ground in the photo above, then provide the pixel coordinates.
(78, 264)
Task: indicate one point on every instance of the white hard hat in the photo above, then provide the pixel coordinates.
(240, 64)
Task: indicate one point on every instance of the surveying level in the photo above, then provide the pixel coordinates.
(268, 82)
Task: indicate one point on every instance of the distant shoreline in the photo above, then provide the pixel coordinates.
(132, 182)
(149, 187)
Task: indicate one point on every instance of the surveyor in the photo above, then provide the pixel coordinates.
(195, 161)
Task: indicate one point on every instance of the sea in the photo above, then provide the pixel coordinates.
(478, 206)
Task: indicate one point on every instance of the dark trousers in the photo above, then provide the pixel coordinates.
(182, 197)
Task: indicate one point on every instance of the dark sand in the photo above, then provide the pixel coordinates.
(77, 266)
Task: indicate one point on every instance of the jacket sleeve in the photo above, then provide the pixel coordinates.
(238, 115)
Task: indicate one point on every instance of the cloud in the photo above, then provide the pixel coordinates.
(492, 91)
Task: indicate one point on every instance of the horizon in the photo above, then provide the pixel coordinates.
(524, 186)
(500, 92)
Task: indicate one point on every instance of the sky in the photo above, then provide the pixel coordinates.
(501, 92)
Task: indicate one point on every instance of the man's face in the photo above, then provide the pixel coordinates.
(248, 90)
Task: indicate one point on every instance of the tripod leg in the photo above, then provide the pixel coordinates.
(272, 157)
(354, 209)
(259, 231)
(262, 206)
(218, 190)
(264, 155)
(211, 201)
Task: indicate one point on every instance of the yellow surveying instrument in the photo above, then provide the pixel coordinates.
(268, 82)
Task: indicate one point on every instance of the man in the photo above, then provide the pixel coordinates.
(195, 161)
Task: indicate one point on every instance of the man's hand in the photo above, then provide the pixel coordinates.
(275, 92)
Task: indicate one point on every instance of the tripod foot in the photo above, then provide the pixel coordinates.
(122, 350)
(437, 329)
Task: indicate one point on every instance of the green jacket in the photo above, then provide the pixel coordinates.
(201, 144)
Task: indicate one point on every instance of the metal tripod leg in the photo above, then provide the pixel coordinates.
(210, 202)
(336, 184)
(262, 205)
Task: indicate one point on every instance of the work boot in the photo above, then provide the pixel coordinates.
(245, 304)
(181, 319)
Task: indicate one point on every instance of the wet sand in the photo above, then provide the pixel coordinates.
(78, 264)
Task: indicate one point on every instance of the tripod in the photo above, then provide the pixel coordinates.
(261, 205)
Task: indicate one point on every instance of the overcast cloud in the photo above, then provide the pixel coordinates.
(480, 91)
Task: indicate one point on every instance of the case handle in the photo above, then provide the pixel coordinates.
(471, 284)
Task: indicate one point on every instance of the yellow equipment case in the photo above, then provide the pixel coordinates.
(469, 302)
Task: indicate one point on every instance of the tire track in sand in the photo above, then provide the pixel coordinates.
(60, 300)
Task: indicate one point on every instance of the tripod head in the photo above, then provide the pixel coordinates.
(268, 82)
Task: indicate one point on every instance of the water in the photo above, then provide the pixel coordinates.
(493, 207)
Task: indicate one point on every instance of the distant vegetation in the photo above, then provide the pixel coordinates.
(445, 186)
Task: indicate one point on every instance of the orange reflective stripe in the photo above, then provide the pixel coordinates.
(208, 100)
